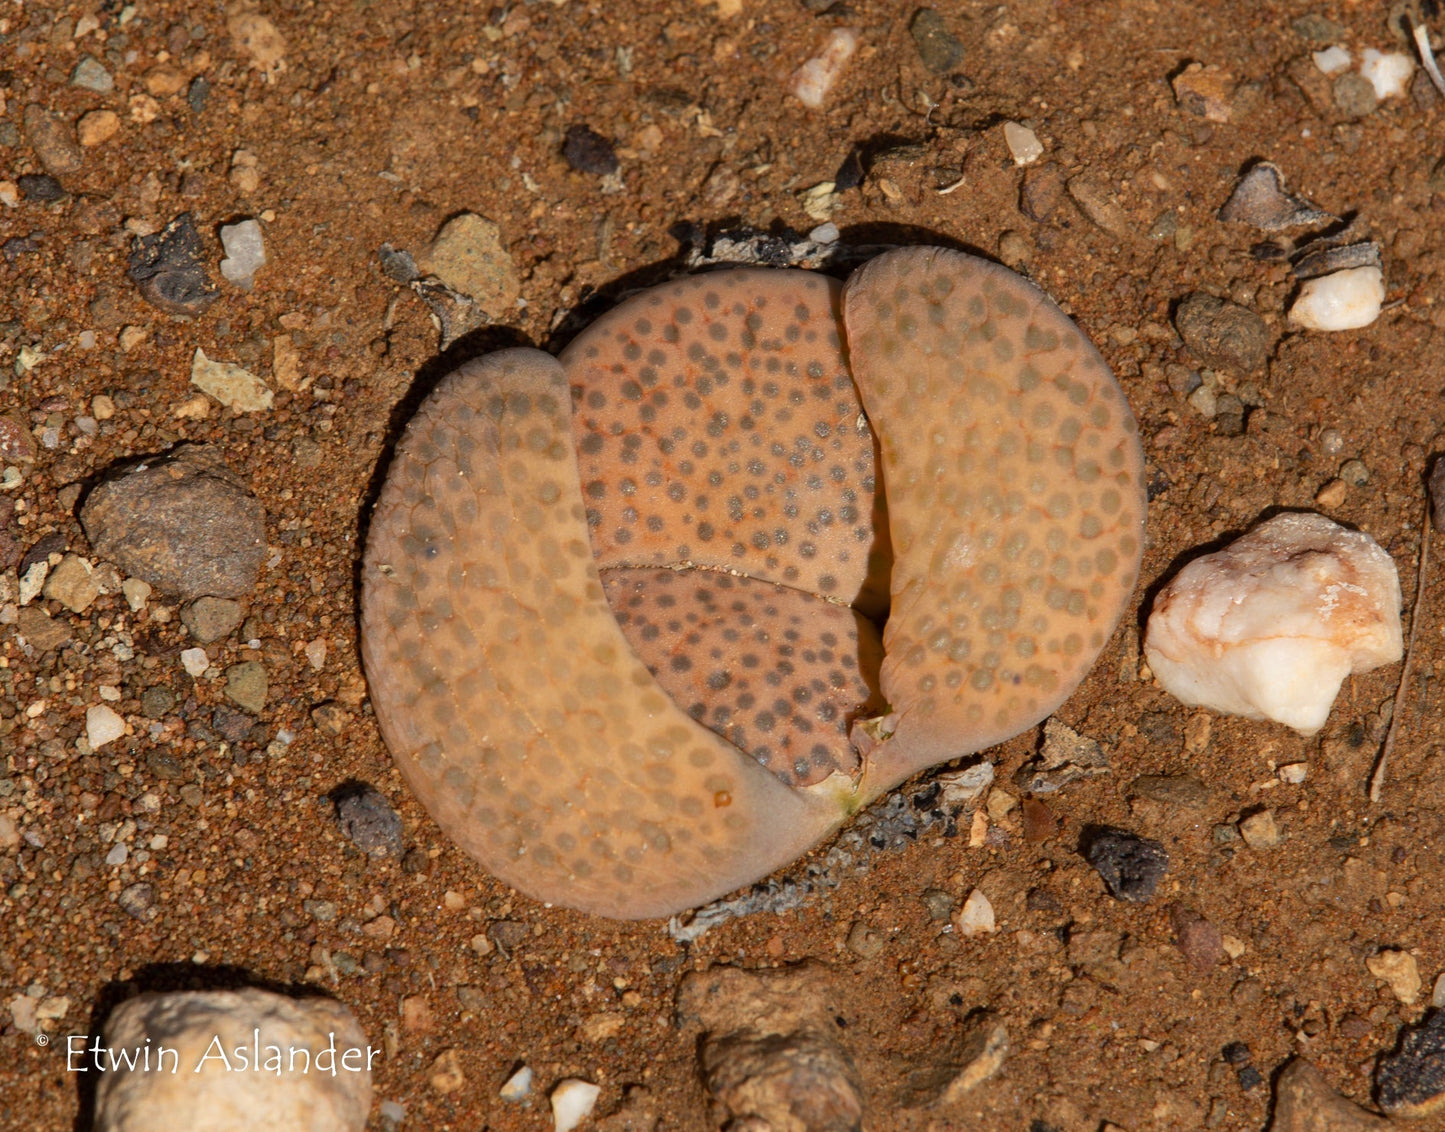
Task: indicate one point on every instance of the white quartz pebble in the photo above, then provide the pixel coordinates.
(518, 1086)
(195, 661)
(1388, 74)
(976, 915)
(245, 252)
(1022, 143)
(1342, 300)
(102, 726)
(1269, 627)
(812, 81)
(572, 1102)
(1331, 59)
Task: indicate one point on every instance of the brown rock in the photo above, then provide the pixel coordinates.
(1197, 938)
(1205, 92)
(1041, 191)
(41, 631)
(53, 140)
(98, 127)
(637, 1113)
(770, 1054)
(1304, 1102)
(1098, 204)
(182, 522)
(1039, 821)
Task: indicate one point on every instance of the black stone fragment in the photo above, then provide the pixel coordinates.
(40, 187)
(851, 173)
(587, 151)
(1248, 1077)
(1131, 866)
(1411, 1081)
(168, 270)
(53, 543)
(367, 818)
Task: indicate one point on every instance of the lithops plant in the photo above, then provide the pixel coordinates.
(619, 609)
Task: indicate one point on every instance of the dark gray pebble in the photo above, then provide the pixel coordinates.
(1354, 95)
(40, 187)
(1221, 333)
(231, 725)
(168, 269)
(587, 151)
(198, 93)
(1411, 1081)
(1437, 494)
(157, 701)
(1131, 866)
(367, 818)
(1261, 200)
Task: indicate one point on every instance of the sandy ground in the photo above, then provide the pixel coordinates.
(370, 124)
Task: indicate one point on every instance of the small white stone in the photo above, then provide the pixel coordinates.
(519, 1084)
(245, 252)
(33, 581)
(137, 593)
(102, 726)
(976, 915)
(118, 854)
(1293, 774)
(1023, 143)
(1388, 74)
(1331, 60)
(1269, 627)
(1437, 996)
(195, 661)
(1343, 300)
(812, 81)
(316, 653)
(572, 1102)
